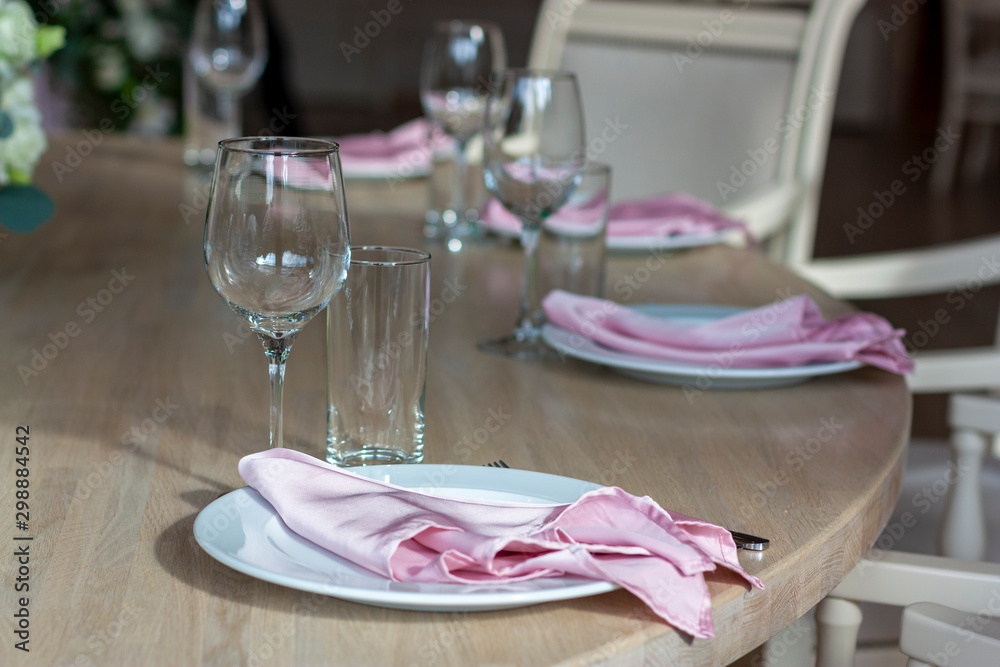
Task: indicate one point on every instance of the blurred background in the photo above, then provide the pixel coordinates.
(326, 77)
(338, 80)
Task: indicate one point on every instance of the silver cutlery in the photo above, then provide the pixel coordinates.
(743, 540)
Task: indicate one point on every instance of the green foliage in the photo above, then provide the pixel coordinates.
(109, 54)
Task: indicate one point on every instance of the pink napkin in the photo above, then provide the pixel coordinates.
(667, 215)
(787, 333)
(404, 535)
(403, 151)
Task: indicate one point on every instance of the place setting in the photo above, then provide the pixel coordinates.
(666, 223)
(367, 521)
(721, 347)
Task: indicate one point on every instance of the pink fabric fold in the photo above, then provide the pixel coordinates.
(403, 535)
(787, 333)
(663, 216)
(404, 151)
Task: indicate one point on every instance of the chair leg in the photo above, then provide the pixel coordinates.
(793, 646)
(963, 529)
(837, 624)
(776, 248)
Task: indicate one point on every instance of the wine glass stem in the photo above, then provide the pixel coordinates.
(276, 350)
(459, 182)
(530, 300)
(227, 105)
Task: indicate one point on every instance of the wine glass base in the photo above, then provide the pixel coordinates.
(373, 456)
(518, 345)
(455, 238)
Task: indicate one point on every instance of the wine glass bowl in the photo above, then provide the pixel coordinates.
(534, 157)
(277, 240)
(460, 65)
(228, 47)
(226, 55)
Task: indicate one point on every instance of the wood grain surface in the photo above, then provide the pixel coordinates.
(146, 390)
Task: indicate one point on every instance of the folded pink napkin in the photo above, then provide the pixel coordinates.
(664, 216)
(403, 151)
(405, 535)
(786, 333)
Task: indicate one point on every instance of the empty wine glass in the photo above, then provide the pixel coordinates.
(226, 54)
(277, 241)
(534, 156)
(462, 61)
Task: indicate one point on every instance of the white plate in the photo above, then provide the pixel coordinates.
(639, 243)
(243, 531)
(713, 376)
(675, 242)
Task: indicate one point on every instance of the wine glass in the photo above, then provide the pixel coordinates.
(277, 241)
(227, 54)
(534, 156)
(461, 62)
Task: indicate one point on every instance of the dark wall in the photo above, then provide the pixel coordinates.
(342, 81)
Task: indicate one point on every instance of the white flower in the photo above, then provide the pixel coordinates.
(18, 34)
(21, 42)
(18, 93)
(21, 150)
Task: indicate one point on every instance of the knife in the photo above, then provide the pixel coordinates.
(749, 542)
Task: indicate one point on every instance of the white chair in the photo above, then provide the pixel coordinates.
(971, 85)
(975, 423)
(937, 636)
(730, 102)
(959, 270)
(963, 596)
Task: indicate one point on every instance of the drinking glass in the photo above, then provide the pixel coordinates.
(226, 55)
(572, 242)
(277, 241)
(461, 62)
(534, 156)
(377, 331)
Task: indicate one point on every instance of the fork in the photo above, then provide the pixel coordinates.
(743, 540)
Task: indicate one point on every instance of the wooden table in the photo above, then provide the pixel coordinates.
(142, 390)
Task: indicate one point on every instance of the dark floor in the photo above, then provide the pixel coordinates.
(859, 166)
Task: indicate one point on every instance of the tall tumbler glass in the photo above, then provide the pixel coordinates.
(377, 358)
(572, 244)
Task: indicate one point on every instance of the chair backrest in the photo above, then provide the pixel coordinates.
(724, 101)
(958, 270)
(933, 634)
